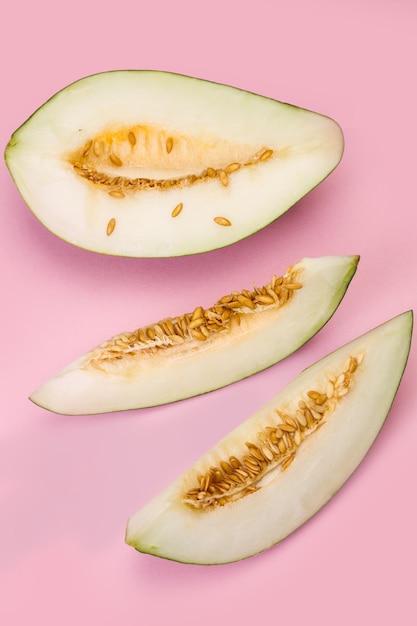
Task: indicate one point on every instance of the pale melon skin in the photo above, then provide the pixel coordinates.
(167, 528)
(174, 374)
(307, 147)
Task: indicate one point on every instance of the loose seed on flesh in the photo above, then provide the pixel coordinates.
(222, 221)
(117, 194)
(177, 210)
(111, 226)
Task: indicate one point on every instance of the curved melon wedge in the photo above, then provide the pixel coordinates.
(191, 354)
(278, 468)
(153, 164)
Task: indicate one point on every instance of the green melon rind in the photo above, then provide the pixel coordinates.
(168, 377)
(72, 210)
(169, 529)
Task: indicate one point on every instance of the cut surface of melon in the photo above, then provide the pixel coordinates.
(153, 164)
(276, 470)
(191, 354)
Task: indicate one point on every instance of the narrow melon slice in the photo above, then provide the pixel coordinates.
(153, 164)
(283, 464)
(187, 355)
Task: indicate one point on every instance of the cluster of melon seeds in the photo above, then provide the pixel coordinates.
(275, 447)
(103, 159)
(201, 325)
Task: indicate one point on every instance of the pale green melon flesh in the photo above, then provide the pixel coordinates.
(282, 152)
(180, 371)
(167, 527)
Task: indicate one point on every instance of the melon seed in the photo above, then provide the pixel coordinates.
(131, 138)
(169, 144)
(111, 226)
(222, 221)
(177, 210)
(115, 160)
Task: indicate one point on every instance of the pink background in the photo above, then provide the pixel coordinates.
(68, 485)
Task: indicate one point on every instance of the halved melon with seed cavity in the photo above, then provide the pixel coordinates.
(278, 468)
(153, 164)
(179, 357)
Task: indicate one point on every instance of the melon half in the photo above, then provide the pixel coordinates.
(193, 353)
(277, 469)
(153, 164)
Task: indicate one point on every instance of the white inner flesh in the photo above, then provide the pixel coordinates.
(169, 375)
(306, 146)
(166, 527)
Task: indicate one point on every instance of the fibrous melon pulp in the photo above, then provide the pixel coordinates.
(282, 465)
(153, 164)
(187, 355)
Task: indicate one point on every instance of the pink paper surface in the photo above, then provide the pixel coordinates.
(68, 485)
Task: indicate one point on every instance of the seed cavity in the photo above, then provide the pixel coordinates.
(275, 447)
(200, 325)
(141, 147)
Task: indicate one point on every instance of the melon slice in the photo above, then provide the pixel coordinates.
(153, 164)
(283, 464)
(187, 355)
